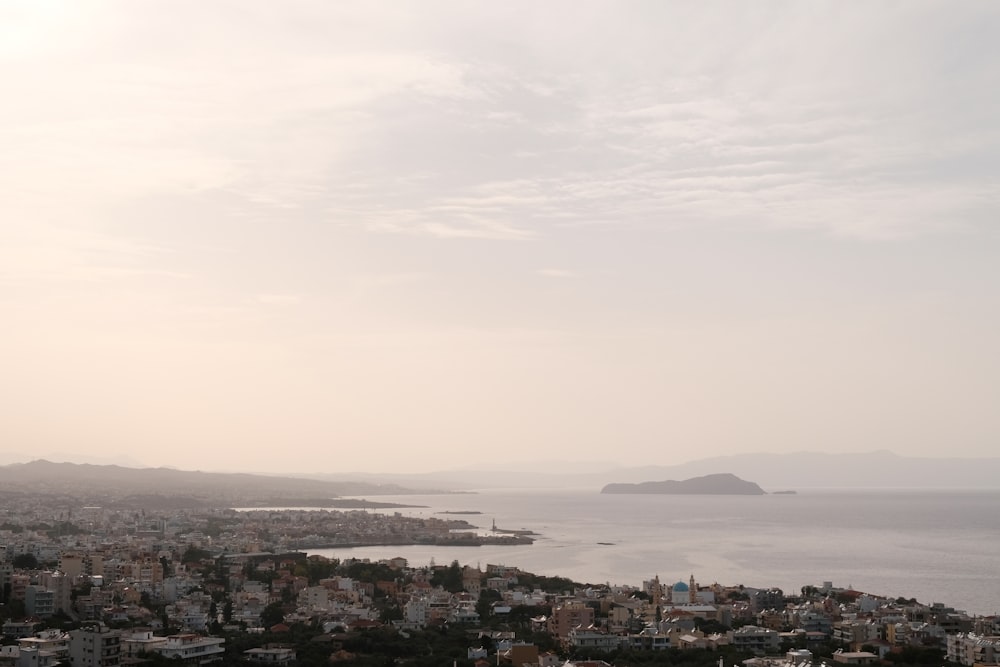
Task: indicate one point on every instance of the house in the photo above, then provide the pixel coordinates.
(137, 642)
(755, 638)
(692, 641)
(854, 657)
(580, 638)
(15, 629)
(48, 642)
(17, 656)
(271, 656)
(192, 649)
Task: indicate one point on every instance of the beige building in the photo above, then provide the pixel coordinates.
(568, 616)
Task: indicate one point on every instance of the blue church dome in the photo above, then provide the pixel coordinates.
(681, 586)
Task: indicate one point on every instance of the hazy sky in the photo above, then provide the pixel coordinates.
(287, 236)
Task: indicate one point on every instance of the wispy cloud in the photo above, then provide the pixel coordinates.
(279, 299)
(556, 273)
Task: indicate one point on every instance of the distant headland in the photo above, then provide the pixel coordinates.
(717, 484)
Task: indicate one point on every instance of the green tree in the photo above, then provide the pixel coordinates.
(319, 568)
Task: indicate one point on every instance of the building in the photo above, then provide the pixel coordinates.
(17, 656)
(568, 616)
(191, 649)
(135, 643)
(61, 587)
(52, 642)
(597, 641)
(271, 656)
(754, 638)
(854, 657)
(39, 602)
(972, 649)
(94, 646)
(17, 629)
(764, 599)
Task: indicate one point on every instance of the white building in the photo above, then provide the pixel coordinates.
(137, 642)
(971, 649)
(192, 649)
(52, 641)
(588, 639)
(270, 656)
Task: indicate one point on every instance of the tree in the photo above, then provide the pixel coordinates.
(13, 609)
(165, 564)
(25, 562)
(195, 555)
(319, 568)
(391, 613)
(484, 606)
(449, 578)
(272, 615)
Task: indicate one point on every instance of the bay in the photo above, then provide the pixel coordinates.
(937, 546)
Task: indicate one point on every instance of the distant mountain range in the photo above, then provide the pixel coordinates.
(807, 470)
(718, 484)
(773, 472)
(111, 485)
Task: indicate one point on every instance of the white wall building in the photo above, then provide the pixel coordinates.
(193, 649)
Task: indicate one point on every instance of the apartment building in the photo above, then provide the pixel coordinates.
(567, 616)
(94, 646)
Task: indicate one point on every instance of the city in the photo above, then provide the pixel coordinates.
(95, 587)
(574, 333)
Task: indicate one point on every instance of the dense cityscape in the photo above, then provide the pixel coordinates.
(95, 587)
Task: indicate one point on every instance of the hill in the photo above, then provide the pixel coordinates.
(773, 471)
(112, 485)
(715, 484)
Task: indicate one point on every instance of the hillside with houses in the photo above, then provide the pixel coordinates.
(197, 587)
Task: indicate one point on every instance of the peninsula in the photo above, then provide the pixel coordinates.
(717, 484)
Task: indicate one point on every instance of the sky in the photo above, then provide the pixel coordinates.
(415, 236)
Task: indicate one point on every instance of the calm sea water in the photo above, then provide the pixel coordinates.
(934, 546)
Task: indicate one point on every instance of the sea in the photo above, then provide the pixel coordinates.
(935, 546)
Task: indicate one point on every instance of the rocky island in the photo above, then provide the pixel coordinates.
(718, 484)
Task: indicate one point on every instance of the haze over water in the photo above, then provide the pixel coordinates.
(936, 547)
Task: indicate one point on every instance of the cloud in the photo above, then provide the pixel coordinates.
(412, 123)
(279, 299)
(556, 273)
(32, 254)
(443, 225)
